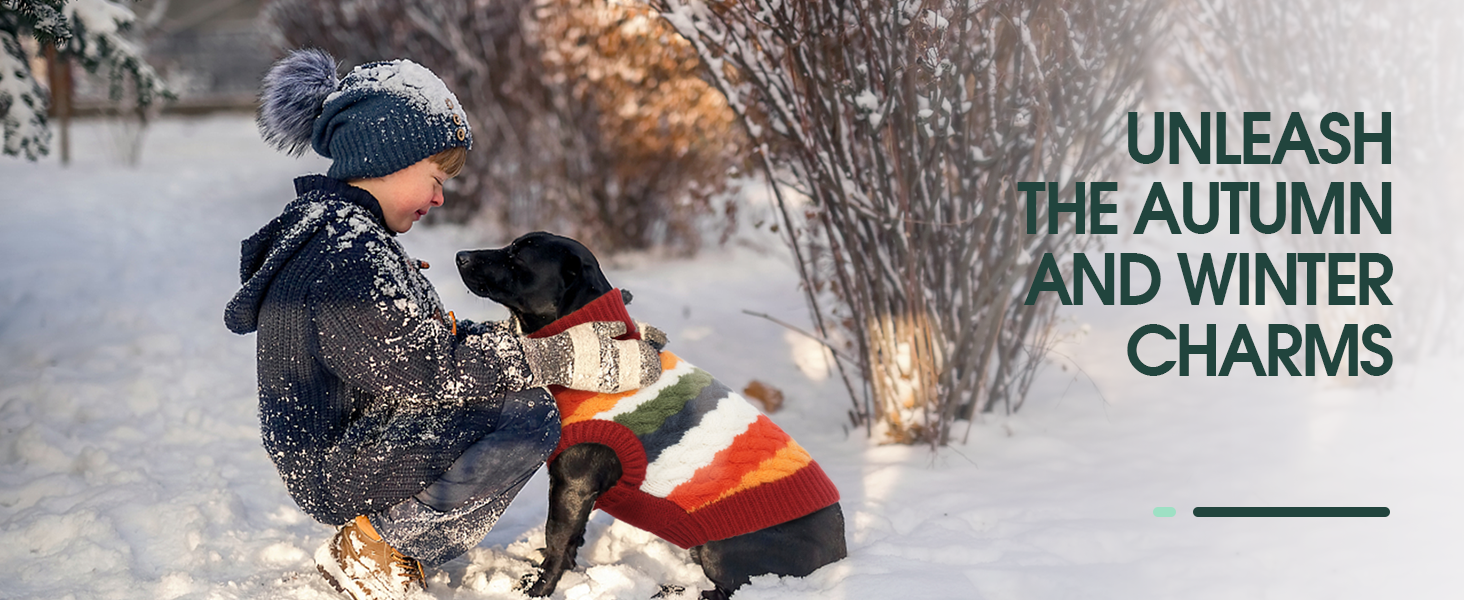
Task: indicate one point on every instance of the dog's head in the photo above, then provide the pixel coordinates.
(540, 277)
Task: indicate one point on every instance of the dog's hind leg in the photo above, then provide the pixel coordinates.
(576, 478)
(795, 548)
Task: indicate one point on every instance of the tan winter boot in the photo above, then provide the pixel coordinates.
(359, 564)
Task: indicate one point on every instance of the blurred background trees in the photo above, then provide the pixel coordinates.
(589, 118)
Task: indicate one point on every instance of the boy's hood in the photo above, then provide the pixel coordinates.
(265, 253)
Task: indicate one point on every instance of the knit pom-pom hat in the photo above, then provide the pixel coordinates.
(381, 118)
(291, 97)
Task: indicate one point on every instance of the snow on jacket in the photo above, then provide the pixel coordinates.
(366, 395)
(699, 462)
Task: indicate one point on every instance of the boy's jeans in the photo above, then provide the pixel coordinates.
(454, 513)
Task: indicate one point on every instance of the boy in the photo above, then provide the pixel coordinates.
(408, 430)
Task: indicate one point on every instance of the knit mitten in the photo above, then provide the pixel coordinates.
(655, 337)
(587, 357)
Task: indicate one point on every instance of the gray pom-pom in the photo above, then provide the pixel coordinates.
(291, 97)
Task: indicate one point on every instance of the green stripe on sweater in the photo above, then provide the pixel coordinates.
(648, 417)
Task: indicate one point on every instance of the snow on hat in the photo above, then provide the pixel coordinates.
(382, 118)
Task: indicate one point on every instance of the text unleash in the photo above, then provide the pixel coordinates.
(1287, 208)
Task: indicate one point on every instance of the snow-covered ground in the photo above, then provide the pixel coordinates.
(130, 464)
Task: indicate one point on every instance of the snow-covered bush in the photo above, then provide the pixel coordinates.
(584, 121)
(90, 32)
(904, 127)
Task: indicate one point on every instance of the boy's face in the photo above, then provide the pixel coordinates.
(408, 194)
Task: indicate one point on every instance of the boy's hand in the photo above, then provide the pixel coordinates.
(587, 357)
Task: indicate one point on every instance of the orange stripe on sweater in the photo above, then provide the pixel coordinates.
(787, 461)
(749, 450)
(578, 405)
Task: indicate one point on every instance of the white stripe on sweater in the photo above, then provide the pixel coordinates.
(699, 445)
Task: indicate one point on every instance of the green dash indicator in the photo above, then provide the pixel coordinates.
(1289, 511)
(1164, 511)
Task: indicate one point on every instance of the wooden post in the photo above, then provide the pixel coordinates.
(58, 71)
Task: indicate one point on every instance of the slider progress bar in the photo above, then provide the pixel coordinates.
(1291, 511)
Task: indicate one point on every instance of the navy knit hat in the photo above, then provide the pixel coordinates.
(382, 118)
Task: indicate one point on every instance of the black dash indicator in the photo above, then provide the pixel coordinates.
(1291, 511)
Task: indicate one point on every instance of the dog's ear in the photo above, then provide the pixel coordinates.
(625, 297)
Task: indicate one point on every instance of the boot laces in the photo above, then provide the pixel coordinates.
(411, 568)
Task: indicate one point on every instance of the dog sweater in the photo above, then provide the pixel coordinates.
(699, 463)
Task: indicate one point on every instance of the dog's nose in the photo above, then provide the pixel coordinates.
(463, 258)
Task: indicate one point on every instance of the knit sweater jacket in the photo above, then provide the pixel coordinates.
(366, 396)
(699, 463)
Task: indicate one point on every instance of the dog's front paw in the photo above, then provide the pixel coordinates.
(540, 588)
(526, 580)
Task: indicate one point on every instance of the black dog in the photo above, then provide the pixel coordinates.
(627, 465)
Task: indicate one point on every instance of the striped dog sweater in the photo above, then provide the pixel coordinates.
(699, 463)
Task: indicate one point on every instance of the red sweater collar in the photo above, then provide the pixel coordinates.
(609, 307)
